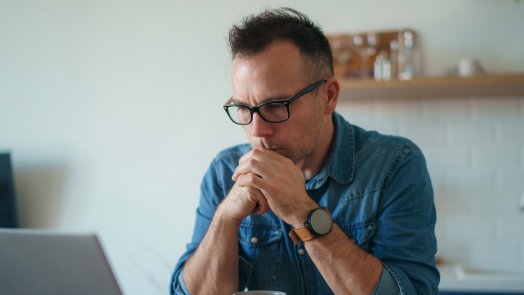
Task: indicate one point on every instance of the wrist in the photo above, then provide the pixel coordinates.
(300, 216)
(222, 216)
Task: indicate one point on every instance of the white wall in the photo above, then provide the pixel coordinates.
(112, 110)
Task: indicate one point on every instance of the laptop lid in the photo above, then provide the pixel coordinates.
(7, 193)
(49, 263)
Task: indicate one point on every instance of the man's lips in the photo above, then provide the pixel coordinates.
(266, 146)
(271, 148)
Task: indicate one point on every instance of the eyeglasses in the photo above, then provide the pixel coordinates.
(273, 111)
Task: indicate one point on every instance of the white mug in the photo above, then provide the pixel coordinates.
(469, 67)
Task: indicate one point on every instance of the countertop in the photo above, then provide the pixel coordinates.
(459, 278)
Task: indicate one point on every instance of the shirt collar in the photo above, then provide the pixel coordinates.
(339, 164)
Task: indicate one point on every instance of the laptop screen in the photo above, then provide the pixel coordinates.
(46, 263)
(7, 193)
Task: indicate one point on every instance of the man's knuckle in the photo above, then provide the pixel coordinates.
(252, 161)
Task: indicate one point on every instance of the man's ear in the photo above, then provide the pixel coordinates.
(332, 92)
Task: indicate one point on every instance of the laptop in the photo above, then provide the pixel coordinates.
(49, 263)
(7, 193)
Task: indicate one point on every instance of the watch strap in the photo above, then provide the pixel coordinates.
(302, 233)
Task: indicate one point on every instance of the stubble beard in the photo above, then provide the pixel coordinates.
(301, 152)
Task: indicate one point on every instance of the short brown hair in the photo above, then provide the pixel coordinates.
(256, 32)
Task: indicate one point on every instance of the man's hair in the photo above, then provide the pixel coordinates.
(256, 32)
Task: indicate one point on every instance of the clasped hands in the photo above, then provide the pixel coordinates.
(266, 180)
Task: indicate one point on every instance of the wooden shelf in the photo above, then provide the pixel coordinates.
(441, 87)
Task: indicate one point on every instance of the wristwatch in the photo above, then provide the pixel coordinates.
(319, 223)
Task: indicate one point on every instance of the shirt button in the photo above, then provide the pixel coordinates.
(254, 240)
(301, 251)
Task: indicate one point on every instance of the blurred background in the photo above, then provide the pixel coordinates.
(111, 111)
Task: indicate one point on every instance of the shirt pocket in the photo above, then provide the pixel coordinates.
(262, 247)
(361, 233)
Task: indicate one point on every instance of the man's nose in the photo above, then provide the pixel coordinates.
(259, 127)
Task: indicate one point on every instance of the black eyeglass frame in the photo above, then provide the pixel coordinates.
(285, 102)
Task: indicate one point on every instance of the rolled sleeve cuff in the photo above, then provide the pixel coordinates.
(387, 284)
(244, 267)
(180, 286)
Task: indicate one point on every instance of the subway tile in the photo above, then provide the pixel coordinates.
(493, 156)
(492, 109)
(363, 115)
(449, 206)
(424, 134)
(522, 253)
(440, 228)
(445, 158)
(510, 131)
(509, 229)
(495, 255)
(361, 107)
(498, 205)
(438, 179)
(522, 156)
(438, 190)
(470, 133)
(360, 114)
(474, 183)
(385, 128)
(509, 181)
(453, 251)
(395, 111)
(445, 110)
(470, 227)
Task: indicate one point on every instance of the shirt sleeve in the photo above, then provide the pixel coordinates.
(177, 281)
(179, 286)
(212, 191)
(215, 186)
(406, 242)
(386, 283)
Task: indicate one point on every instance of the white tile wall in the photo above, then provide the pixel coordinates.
(509, 228)
(475, 153)
(420, 131)
(507, 180)
(466, 133)
(495, 255)
(495, 155)
(495, 109)
(522, 254)
(447, 111)
(451, 206)
(522, 154)
(504, 131)
(470, 227)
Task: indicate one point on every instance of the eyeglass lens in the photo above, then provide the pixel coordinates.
(272, 112)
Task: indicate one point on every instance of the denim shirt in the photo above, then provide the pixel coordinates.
(379, 192)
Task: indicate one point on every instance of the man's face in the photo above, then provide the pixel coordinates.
(278, 73)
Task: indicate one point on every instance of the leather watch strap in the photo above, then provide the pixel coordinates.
(302, 233)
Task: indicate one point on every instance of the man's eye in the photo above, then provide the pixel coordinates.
(242, 110)
(274, 107)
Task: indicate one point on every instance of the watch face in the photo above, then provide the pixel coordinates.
(320, 221)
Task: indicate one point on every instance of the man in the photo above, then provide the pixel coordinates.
(358, 206)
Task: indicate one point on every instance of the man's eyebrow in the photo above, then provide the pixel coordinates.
(275, 98)
(236, 101)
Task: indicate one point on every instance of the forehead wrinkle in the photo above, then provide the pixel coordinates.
(275, 73)
(256, 92)
(276, 98)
